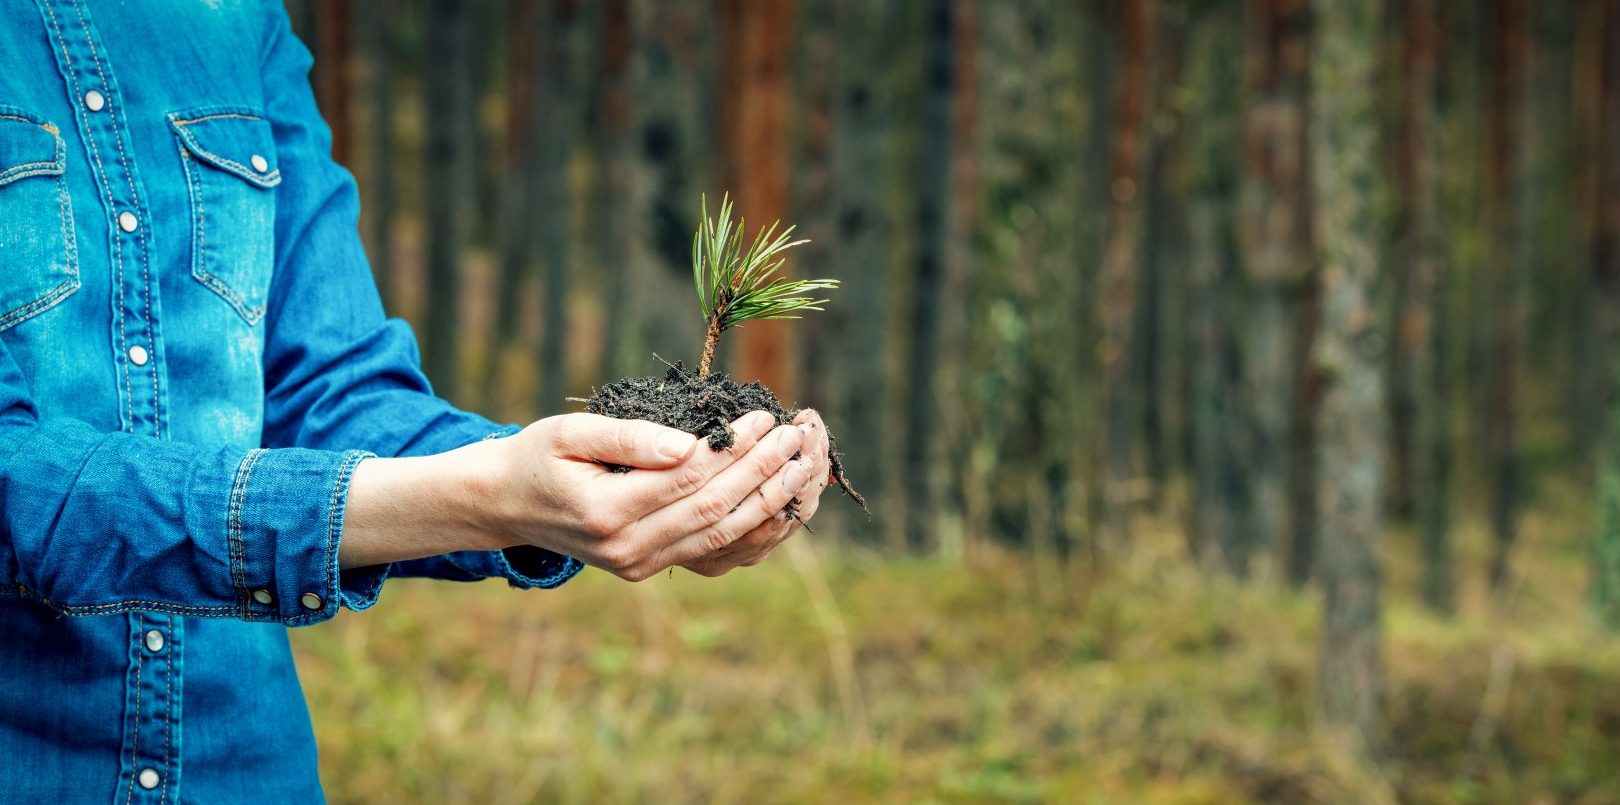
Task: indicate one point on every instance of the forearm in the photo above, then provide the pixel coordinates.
(408, 508)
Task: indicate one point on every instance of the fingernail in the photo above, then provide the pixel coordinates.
(797, 473)
(788, 443)
(674, 444)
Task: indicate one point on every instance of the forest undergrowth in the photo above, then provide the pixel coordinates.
(830, 674)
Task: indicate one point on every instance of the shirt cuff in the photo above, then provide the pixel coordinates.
(283, 550)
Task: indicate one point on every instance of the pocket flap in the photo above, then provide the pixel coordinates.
(28, 147)
(236, 142)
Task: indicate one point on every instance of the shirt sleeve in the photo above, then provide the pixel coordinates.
(97, 523)
(338, 374)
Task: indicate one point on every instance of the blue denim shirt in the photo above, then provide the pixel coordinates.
(193, 358)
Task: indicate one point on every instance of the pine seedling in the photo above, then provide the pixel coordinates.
(735, 285)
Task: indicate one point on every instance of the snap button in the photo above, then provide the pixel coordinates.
(260, 164)
(154, 641)
(94, 101)
(310, 601)
(127, 221)
(148, 778)
(262, 596)
(138, 355)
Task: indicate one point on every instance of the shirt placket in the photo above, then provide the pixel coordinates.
(150, 753)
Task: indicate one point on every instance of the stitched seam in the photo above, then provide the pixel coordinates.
(168, 718)
(28, 169)
(135, 201)
(106, 188)
(70, 251)
(40, 305)
(233, 528)
(23, 591)
(243, 172)
(179, 121)
(333, 591)
(199, 233)
(135, 744)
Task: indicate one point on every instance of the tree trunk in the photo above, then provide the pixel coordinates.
(332, 79)
(755, 43)
(863, 156)
(1343, 139)
(1602, 103)
(1218, 515)
(1275, 236)
(381, 201)
(671, 67)
(517, 209)
(1507, 56)
(613, 217)
(933, 188)
(1121, 263)
(447, 185)
(1421, 333)
(557, 90)
(1163, 247)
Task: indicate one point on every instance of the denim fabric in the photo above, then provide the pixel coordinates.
(193, 359)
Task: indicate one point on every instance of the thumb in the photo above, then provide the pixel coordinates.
(626, 442)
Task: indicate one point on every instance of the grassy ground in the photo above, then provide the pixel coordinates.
(873, 680)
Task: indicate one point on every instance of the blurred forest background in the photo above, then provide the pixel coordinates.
(1232, 380)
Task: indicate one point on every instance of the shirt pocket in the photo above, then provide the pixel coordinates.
(230, 164)
(39, 260)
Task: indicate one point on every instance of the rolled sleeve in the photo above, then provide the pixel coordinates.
(96, 524)
(338, 374)
(284, 550)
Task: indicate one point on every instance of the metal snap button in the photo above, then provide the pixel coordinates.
(310, 601)
(94, 101)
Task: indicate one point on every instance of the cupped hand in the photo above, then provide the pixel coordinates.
(753, 547)
(680, 503)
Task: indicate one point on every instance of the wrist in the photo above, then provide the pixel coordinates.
(478, 496)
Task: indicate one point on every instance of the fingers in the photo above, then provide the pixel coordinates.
(626, 442)
(647, 492)
(747, 550)
(739, 499)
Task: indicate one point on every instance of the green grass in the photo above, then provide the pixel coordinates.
(927, 682)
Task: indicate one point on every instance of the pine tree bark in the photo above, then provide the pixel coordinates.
(1117, 283)
(1343, 139)
(1275, 236)
(381, 203)
(516, 197)
(815, 68)
(755, 43)
(863, 156)
(671, 69)
(1601, 101)
(1163, 245)
(613, 219)
(447, 185)
(933, 191)
(1218, 513)
(558, 92)
(1421, 331)
(1507, 56)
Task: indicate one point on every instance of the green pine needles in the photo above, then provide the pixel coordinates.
(734, 285)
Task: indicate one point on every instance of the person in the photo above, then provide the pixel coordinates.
(210, 433)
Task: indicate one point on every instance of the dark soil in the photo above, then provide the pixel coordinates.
(702, 406)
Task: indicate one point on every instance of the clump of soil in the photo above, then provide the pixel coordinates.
(702, 406)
